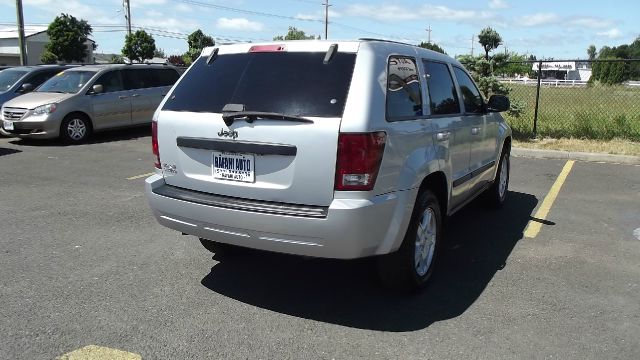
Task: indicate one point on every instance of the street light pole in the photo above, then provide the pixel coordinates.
(128, 16)
(326, 19)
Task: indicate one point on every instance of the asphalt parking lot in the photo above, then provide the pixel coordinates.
(83, 262)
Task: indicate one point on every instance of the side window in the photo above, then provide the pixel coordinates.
(138, 79)
(111, 81)
(37, 79)
(404, 97)
(166, 77)
(442, 92)
(471, 97)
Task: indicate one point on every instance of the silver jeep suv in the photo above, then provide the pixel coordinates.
(327, 149)
(80, 100)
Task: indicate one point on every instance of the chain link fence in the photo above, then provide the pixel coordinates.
(597, 99)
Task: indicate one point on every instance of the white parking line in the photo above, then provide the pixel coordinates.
(140, 176)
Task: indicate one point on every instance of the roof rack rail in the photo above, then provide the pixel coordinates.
(387, 41)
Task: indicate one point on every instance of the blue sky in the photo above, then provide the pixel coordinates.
(558, 29)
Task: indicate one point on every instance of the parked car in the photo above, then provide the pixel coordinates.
(19, 80)
(81, 100)
(327, 149)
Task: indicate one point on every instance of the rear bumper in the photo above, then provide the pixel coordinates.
(352, 228)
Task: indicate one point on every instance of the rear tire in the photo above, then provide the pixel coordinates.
(75, 128)
(411, 267)
(496, 195)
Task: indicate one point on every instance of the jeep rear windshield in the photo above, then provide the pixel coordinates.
(292, 83)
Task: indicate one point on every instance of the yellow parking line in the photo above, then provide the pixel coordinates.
(140, 176)
(93, 352)
(534, 227)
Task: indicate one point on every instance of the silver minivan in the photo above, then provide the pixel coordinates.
(81, 100)
(327, 149)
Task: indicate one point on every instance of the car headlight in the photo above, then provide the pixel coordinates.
(44, 109)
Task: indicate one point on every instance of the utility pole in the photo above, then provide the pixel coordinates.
(21, 38)
(429, 34)
(127, 16)
(472, 42)
(326, 18)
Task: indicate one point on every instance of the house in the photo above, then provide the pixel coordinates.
(35, 40)
(565, 70)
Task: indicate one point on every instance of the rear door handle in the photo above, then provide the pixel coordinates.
(443, 136)
(475, 131)
(135, 95)
(122, 97)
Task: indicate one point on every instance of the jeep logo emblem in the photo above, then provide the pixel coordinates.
(229, 134)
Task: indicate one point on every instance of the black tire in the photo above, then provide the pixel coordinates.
(217, 248)
(496, 195)
(75, 128)
(400, 270)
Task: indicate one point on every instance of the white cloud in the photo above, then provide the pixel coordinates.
(591, 22)
(538, 19)
(153, 13)
(434, 12)
(184, 8)
(168, 24)
(240, 24)
(319, 15)
(143, 3)
(498, 4)
(614, 33)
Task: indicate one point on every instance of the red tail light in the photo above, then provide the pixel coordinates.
(154, 144)
(359, 158)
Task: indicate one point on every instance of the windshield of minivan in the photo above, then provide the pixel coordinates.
(67, 82)
(291, 83)
(9, 77)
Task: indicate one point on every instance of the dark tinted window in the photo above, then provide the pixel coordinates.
(165, 77)
(149, 78)
(111, 81)
(404, 97)
(442, 93)
(470, 95)
(40, 77)
(285, 82)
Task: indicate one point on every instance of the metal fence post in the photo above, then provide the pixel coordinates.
(535, 114)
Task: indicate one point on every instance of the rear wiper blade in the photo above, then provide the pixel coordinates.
(251, 116)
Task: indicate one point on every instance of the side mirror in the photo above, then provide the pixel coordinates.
(97, 89)
(498, 103)
(25, 88)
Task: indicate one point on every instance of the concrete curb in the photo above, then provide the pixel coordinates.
(580, 156)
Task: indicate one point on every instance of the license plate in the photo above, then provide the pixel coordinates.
(7, 125)
(233, 166)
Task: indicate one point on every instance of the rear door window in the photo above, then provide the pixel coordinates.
(293, 83)
(138, 79)
(443, 98)
(165, 77)
(471, 97)
(404, 96)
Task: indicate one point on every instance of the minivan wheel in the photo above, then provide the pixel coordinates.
(496, 195)
(75, 128)
(412, 265)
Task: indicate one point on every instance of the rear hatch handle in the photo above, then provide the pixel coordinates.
(251, 116)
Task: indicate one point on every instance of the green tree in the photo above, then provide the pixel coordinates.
(48, 58)
(116, 59)
(432, 46)
(294, 34)
(67, 38)
(159, 53)
(490, 40)
(197, 41)
(139, 46)
(591, 52)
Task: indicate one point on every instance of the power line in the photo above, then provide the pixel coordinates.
(243, 11)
